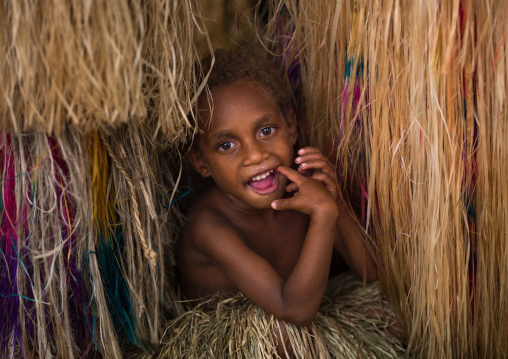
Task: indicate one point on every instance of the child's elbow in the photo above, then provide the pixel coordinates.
(305, 322)
(299, 317)
(301, 322)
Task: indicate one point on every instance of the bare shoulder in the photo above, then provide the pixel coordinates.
(206, 221)
(208, 225)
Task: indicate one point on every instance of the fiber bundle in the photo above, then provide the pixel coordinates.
(82, 251)
(415, 93)
(489, 170)
(46, 307)
(90, 91)
(95, 65)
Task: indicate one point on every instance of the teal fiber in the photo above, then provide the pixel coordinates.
(179, 198)
(18, 175)
(18, 296)
(176, 199)
(20, 261)
(349, 67)
(116, 289)
(92, 299)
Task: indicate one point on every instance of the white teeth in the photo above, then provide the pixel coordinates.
(261, 176)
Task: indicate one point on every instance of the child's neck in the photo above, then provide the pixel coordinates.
(247, 212)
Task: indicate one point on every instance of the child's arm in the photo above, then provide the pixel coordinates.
(298, 298)
(349, 242)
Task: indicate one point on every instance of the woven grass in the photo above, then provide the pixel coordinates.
(351, 323)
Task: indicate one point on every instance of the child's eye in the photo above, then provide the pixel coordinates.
(267, 131)
(225, 146)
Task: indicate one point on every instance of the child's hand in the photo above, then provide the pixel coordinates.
(311, 197)
(312, 163)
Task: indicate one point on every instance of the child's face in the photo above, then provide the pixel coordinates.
(243, 144)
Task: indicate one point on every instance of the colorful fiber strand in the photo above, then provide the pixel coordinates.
(416, 94)
(75, 277)
(68, 288)
(9, 294)
(107, 251)
(31, 299)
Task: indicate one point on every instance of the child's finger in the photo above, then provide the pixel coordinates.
(293, 175)
(289, 203)
(310, 156)
(303, 172)
(281, 204)
(322, 165)
(308, 149)
(324, 178)
(291, 187)
(328, 182)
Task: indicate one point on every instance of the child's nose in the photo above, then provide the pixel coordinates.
(255, 153)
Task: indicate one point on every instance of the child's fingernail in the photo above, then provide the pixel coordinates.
(303, 165)
(301, 151)
(298, 159)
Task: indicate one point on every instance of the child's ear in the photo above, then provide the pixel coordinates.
(198, 162)
(292, 127)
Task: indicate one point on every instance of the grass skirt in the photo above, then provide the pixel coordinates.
(351, 323)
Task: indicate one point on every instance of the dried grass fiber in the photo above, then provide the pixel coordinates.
(415, 93)
(93, 65)
(351, 323)
(78, 274)
(86, 89)
(411, 96)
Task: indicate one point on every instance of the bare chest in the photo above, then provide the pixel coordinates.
(279, 243)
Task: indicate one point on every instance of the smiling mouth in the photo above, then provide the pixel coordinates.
(264, 183)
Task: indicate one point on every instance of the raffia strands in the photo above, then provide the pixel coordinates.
(491, 202)
(74, 272)
(171, 87)
(352, 323)
(415, 92)
(301, 33)
(70, 62)
(46, 308)
(414, 146)
(95, 65)
(82, 258)
(139, 203)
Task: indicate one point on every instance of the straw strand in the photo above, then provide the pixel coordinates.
(149, 253)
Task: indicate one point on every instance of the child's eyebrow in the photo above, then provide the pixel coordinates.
(265, 118)
(227, 133)
(220, 135)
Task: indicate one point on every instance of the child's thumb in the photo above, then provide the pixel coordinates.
(280, 204)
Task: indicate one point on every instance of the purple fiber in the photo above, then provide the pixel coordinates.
(9, 295)
(78, 297)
